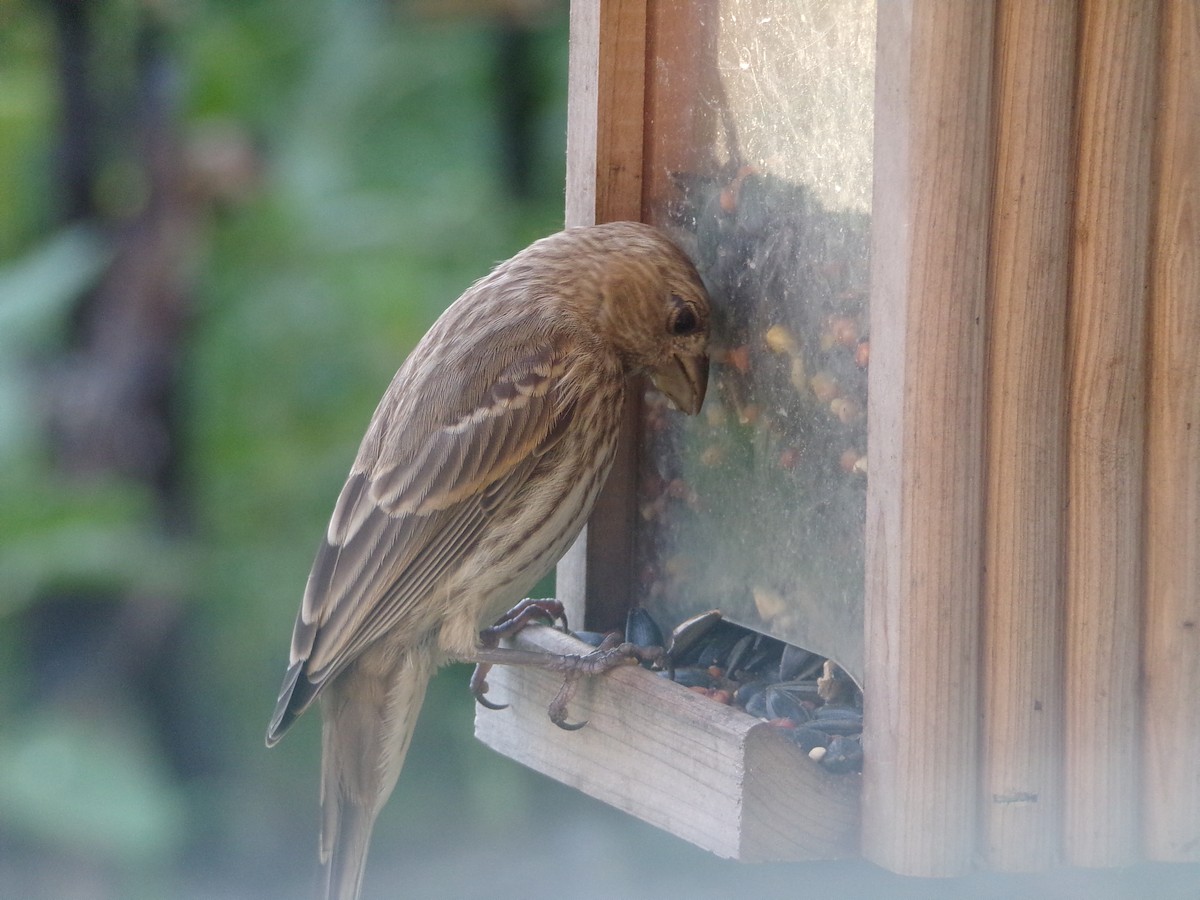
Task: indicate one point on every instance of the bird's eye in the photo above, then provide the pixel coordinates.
(683, 319)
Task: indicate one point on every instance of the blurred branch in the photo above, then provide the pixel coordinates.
(76, 151)
(111, 405)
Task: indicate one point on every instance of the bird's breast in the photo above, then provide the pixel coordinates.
(531, 533)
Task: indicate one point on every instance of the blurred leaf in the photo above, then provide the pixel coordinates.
(83, 535)
(27, 94)
(379, 200)
(36, 295)
(37, 290)
(94, 786)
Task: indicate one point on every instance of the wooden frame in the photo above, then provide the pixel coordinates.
(1171, 614)
(929, 271)
(1029, 276)
(1033, 528)
(605, 137)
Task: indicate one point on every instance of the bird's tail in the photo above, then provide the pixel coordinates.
(369, 714)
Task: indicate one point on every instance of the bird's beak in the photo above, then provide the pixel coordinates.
(684, 380)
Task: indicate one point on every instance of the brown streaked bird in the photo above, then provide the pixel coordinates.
(479, 468)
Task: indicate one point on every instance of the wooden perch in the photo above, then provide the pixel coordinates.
(709, 773)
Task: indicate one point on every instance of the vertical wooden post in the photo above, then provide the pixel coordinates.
(1117, 67)
(606, 89)
(1172, 605)
(1026, 478)
(681, 131)
(605, 121)
(924, 508)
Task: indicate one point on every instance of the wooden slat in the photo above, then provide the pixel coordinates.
(607, 84)
(1117, 65)
(1026, 477)
(705, 772)
(1172, 605)
(682, 78)
(930, 223)
(606, 94)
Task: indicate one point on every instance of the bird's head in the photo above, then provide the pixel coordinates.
(655, 310)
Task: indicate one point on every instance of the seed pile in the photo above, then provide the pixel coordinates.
(807, 697)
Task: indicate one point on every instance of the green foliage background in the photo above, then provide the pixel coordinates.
(378, 197)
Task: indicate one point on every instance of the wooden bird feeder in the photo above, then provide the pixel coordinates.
(952, 437)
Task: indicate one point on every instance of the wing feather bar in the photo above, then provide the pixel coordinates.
(402, 521)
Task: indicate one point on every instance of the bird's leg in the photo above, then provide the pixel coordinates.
(611, 653)
(524, 613)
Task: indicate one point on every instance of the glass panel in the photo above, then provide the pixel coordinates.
(759, 163)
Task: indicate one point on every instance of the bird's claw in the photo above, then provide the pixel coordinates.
(479, 687)
(612, 652)
(527, 612)
(558, 706)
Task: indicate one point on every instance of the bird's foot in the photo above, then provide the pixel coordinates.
(611, 653)
(528, 612)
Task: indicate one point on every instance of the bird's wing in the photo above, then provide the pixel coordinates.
(423, 488)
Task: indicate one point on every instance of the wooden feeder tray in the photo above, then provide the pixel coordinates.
(705, 772)
(1030, 559)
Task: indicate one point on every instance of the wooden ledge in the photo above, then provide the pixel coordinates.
(705, 772)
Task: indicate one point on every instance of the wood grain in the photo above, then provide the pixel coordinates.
(705, 772)
(1115, 103)
(931, 215)
(682, 80)
(606, 95)
(1172, 599)
(607, 89)
(1029, 273)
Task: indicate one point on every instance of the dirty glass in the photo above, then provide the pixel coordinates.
(759, 137)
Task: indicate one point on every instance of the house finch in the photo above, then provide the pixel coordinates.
(477, 471)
